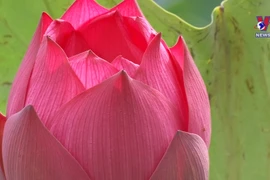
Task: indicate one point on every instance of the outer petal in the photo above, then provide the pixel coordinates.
(30, 152)
(159, 71)
(19, 88)
(91, 69)
(53, 82)
(198, 102)
(185, 159)
(81, 11)
(117, 130)
(2, 124)
(124, 64)
(2, 176)
(111, 35)
(64, 34)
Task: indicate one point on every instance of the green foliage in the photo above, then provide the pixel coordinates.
(234, 64)
(196, 12)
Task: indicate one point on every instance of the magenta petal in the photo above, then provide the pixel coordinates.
(74, 44)
(63, 33)
(91, 69)
(59, 30)
(129, 8)
(2, 176)
(19, 88)
(178, 51)
(118, 129)
(124, 64)
(2, 124)
(81, 11)
(159, 71)
(185, 159)
(140, 32)
(198, 102)
(53, 82)
(30, 152)
(109, 36)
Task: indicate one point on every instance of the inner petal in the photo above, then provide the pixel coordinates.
(91, 69)
(111, 35)
(70, 40)
(124, 64)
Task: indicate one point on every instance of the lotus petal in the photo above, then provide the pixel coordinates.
(2, 124)
(198, 102)
(185, 159)
(124, 64)
(91, 69)
(128, 8)
(63, 33)
(30, 152)
(118, 129)
(159, 71)
(81, 11)
(53, 82)
(111, 35)
(18, 92)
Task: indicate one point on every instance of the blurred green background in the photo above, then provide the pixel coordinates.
(234, 64)
(196, 12)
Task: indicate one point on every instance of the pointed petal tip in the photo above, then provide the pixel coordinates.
(29, 108)
(82, 11)
(153, 45)
(122, 63)
(123, 73)
(85, 55)
(186, 158)
(158, 36)
(194, 136)
(129, 8)
(59, 21)
(26, 136)
(180, 40)
(47, 39)
(49, 42)
(121, 80)
(45, 15)
(91, 53)
(118, 57)
(113, 14)
(45, 18)
(2, 116)
(155, 40)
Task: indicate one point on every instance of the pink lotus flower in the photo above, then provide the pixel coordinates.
(100, 96)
